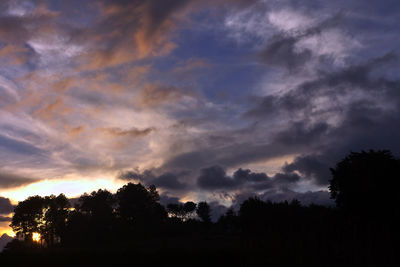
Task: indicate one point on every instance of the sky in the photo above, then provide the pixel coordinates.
(208, 100)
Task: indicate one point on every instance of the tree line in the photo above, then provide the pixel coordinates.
(359, 231)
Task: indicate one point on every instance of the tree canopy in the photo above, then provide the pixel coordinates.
(367, 183)
(46, 216)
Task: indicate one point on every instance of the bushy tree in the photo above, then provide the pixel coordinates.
(367, 183)
(138, 205)
(94, 217)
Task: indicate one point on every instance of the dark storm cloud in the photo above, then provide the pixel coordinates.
(295, 137)
(168, 181)
(166, 199)
(19, 147)
(319, 142)
(8, 180)
(366, 124)
(365, 127)
(281, 52)
(215, 178)
(302, 133)
(311, 166)
(133, 175)
(5, 206)
(333, 84)
(281, 49)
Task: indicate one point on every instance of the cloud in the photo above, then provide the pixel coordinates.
(17, 146)
(19, 25)
(52, 111)
(168, 181)
(132, 132)
(214, 178)
(5, 219)
(239, 151)
(130, 30)
(153, 95)
(350, 118)
(5, 206)
(75, 131)
(302, 99)
(77, 79)
(166, 199)
(314, 167)
(281, 51)
(8, 180)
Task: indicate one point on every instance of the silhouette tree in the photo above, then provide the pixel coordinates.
(93, 219)
(28, 217)
(46, 216)
(138, 205)
(253, 214)
(367, 183)
(203, 211)
(229, 221)
(188, 209)
(55, 217)
(99, 204)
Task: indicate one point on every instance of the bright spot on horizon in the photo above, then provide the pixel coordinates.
(36, 237)
(70, 188)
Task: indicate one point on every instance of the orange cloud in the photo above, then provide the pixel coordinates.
(14, 54)
(73, 132)
(154, 94)
(129, 31)
(51, 111)
(63, 84)
(133, 132)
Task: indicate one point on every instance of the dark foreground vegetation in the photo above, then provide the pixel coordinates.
(131, 227)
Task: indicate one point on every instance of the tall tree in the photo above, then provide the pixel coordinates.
(28, 217)
(46, 216)
(55, 217)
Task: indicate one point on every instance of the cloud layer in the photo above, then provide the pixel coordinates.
(215, 100)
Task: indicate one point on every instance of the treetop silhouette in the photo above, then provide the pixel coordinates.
(367, 183)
